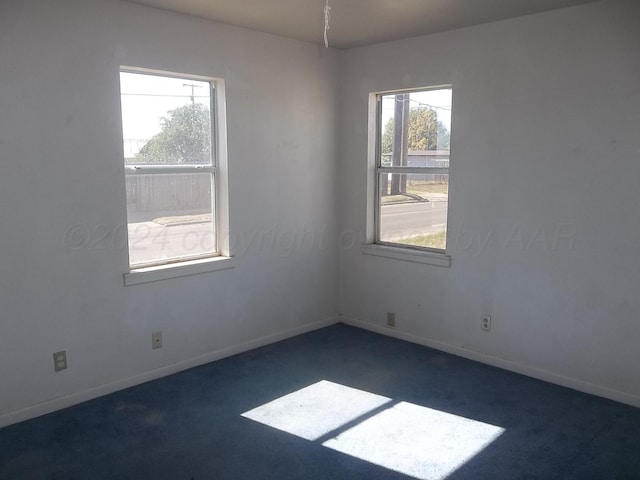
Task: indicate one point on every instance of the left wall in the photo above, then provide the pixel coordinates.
(61, 166)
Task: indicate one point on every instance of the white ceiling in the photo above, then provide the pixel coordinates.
(358, 22)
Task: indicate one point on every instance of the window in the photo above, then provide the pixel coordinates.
(173, 153)
(413, 136)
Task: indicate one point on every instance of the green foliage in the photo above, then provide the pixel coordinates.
(185, 138)
(425, 131)
(433, 240)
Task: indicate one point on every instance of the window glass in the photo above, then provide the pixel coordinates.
(414, 137)
(170, 169)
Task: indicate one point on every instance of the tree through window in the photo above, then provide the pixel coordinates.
(414, 136)
(170, 165)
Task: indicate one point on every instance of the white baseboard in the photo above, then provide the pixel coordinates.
(101, 390)
(573, 383)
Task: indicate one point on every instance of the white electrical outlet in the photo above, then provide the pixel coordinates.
(391, 319)
(60, 360)
(486, 323)
(156, 340)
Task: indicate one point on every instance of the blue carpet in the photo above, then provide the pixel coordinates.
(189, 426)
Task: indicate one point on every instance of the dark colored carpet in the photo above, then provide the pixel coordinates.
(189, 426)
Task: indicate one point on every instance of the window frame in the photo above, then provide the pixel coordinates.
(393, 249)
(220, 256)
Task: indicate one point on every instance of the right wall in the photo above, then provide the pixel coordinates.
(544, 212)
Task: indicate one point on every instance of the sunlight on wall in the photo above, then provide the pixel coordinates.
(411, 439)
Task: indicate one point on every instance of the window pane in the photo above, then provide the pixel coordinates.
(170, 217)
(413, 209)
(165, 120)
(414, 122)
(414, 131)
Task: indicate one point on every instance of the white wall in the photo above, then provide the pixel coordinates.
(61, 165)
(546, 136)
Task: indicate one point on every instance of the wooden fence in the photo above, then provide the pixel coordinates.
(183, 193)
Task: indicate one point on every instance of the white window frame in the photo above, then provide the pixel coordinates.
(373, 245)
(221, 257)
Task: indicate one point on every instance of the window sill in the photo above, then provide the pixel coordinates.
(174, 270)
(407, 255)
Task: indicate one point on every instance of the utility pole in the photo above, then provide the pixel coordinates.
(193, 86)
(400, 142)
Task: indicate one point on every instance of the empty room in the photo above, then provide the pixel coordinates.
(319, 239)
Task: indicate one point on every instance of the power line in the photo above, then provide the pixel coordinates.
(423, 104)
(435, 107)
(162, 95)
(193, 87)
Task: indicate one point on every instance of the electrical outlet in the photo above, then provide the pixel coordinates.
(486, 323)
(156, 340)
(391, 319)
(60, 360)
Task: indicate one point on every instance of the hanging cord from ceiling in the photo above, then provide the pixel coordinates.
(327, 19)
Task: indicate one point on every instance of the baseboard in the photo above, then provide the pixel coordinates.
(101, 390)
(544, 375)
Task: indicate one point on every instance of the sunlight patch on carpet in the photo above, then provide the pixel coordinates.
(417, 441)
(316, 410)
(414, 440)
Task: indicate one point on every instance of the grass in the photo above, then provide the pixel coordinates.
(421, 188)
(433, 240)
(417, 190)
(389, 199)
